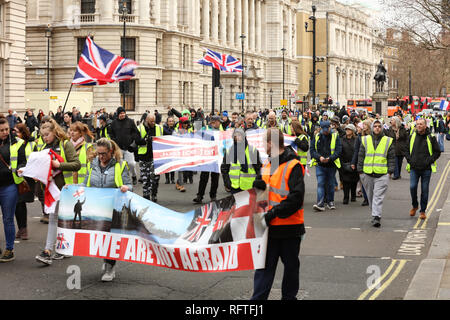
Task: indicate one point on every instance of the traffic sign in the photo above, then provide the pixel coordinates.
(283, 102)
(240, 96)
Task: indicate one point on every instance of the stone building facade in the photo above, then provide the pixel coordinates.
(165, 37)
(12, 54)
(345, 44)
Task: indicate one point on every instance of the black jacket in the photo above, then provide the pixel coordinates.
(420, 158)
(6, 177)
(124, 133)
(292, 203)
(147, 140)
(400, 144)
(234, 155)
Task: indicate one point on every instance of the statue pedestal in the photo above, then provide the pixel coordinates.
(380, 103)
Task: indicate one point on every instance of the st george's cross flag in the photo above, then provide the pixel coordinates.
(222, 62)
(98, 66)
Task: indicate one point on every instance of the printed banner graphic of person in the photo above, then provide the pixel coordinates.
(77, 210)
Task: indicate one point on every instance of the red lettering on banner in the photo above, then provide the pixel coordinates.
(224, 257)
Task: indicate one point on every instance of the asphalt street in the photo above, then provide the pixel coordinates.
(342, 256)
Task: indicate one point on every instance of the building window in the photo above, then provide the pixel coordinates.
(129, 93)
(129, 50)
(128, 4)
(80, 46)
(87, 6)
(182, 12)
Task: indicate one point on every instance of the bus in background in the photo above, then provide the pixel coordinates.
(363, 104)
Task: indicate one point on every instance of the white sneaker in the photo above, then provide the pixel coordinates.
(109, 272)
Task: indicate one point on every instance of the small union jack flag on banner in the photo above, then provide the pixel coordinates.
(61, 242)
(222, 62)
(98, 66)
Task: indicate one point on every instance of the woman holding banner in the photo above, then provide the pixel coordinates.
(107, 170)
(63, 165)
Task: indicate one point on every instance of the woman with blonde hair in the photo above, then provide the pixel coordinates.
(107, 170)
(79, 132)
(57, 140)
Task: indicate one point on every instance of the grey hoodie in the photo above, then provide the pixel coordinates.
(390, 156)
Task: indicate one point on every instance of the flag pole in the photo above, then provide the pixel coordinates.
(67, 98)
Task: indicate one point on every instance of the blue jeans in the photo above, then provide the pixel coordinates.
(440, 140)
(415, 175)
(398, 166)
(326, 178)
(8, 201)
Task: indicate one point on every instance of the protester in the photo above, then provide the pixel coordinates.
(11, 118)
(12, 157)
(31, 121)
(107, 170)
(150, 180)
(215, 125)
(103, 129)
(57, 140)
(22, 132)
(348, 175)
(85, 151)
(399, 136)
(124, 132)
(168, 130)
(285, 218)
(422, 153)
(241, 164)
(325, 151)
(250, 121)
(302, 141)
(285, 123)
(376, 159)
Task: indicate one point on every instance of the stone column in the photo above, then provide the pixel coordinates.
(238, 23)
(106, 11)
(156, 13)
(144, 11)
(173, 13)
(258, 26)
(215, 21)
(245, 22)
(67, 13)
(289, 33)
(252, 40)
(223, 21)
(230, 17)
(205, 19)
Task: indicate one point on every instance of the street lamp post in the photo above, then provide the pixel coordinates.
(124, 42)
(48, 35)
(243, 70)
(283, 50)
(220, 92)
(313, 19)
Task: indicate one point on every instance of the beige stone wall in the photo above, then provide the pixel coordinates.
(12, 55)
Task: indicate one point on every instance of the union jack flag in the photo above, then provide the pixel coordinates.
(188, 152)
(222, 62)
(200, 224)
(98, 66)
(61, 242)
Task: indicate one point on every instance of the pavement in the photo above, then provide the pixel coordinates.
(432, 279)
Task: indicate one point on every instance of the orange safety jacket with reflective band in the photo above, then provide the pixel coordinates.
(279, 190)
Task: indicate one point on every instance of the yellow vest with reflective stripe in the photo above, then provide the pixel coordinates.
(334, 136)
(82, 156)
(118, 170)
(303, 154)
(143, 132)
(14, 154)
(430, 150)
(239, 179)
(376, 159)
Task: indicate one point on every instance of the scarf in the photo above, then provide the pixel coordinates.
(77, 143)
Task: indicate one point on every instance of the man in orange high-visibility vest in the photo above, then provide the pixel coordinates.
(283, 175)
